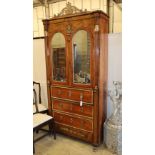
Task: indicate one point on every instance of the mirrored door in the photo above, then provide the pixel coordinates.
(81, 57)
(58, 57)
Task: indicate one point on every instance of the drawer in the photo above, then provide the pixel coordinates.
(77, 95)
(72, 94)
(76, 122)
(76, 133)
(62, 105)
(59, 92)
(85, 110)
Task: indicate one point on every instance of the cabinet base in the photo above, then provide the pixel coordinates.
(76, 133)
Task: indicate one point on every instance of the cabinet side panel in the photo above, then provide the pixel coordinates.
(103, 74)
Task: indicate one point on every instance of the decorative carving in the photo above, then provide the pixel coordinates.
(96, 29)
(69, 9)
(69, 29)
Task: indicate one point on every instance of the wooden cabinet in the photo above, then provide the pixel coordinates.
(76, 62)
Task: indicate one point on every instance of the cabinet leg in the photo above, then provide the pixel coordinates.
(95, 147)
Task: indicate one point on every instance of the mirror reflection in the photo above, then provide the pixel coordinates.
(59, 57)
(81, 54)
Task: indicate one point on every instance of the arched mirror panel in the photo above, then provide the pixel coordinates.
(58, 57)
(81, 57)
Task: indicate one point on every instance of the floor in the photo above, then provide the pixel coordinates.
(64, 145)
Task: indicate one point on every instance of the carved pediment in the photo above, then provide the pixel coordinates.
(69, 9)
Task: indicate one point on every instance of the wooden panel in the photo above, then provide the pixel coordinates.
(77, 94)
(62, 106)
(59, 92)
(77, 133)
(77, 122)
(85, 110)
(72, 94)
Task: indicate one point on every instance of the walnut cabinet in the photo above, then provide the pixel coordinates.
(76, 63)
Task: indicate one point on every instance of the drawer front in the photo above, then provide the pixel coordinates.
(85, 110)
(72, 94)
(70, 131)
(62, 106)
(79, 123)
(77, 95)
(59, 92)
